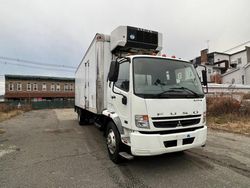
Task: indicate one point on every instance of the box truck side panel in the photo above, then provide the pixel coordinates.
(100, 77)
(90, 80)
(79, 87)
(103, 62)
(107, 61)
(86, 81)
(91, 76)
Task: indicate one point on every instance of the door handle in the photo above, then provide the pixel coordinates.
(124, 100)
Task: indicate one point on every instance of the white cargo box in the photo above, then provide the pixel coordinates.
(91, 75)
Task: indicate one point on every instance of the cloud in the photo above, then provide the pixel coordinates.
(60, 31)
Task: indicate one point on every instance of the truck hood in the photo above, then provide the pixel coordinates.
(174, 107)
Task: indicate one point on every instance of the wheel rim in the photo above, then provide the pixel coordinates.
(111, 142)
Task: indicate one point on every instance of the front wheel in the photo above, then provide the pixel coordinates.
(113, 142)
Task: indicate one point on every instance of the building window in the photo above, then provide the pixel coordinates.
(11, 86)
(243, 79)
(66, 87)
(71, 88)
(44, 87)
(28, 87)
(239, 60)
(52, 87)
(57, 87)
(35, 88)
(19, 86)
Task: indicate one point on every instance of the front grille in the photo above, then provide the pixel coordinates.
(176, 123)
(176, 117)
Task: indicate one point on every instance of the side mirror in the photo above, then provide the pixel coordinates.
(113, 71)
(204, 77)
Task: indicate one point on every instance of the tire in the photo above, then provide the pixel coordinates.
(80, 119)
(113, 142)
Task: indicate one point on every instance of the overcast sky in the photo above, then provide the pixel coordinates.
(60, 31)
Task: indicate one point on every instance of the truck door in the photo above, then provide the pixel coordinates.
(86, 85)
(122, 87)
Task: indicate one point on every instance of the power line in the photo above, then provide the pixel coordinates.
(30, 66)
(36, 63)
(237, 46)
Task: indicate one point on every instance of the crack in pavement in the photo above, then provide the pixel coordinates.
(129, 179)
(49, 160)
(225, 161)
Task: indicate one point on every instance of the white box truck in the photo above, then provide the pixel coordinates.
(146, 104)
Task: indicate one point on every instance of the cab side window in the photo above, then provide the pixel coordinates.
(123, 76)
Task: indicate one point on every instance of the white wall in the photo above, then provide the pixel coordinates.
(247, 75)
(220, 57)
(237, 76)
(235, 57)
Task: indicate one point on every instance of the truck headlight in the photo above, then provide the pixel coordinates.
(204, 117)
(141, 121)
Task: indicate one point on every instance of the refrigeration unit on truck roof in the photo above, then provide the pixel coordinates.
(135, 40)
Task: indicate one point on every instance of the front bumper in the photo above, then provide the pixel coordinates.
(156, 144)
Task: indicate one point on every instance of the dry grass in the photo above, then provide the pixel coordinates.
(231, 123)
(10, 114)
(226, 113)
(222, 105)
(246, 96)
(8, 111)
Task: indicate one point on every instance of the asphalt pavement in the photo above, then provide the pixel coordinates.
(47, 148)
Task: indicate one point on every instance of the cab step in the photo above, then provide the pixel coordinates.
(126, 155)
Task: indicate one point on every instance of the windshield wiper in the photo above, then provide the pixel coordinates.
(177, 90)
(186, 89)
(167, 91)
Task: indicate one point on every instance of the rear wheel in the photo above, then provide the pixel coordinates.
(85, 117)
(113, 141)
(80, 118)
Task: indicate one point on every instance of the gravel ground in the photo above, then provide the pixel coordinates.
(47, 148)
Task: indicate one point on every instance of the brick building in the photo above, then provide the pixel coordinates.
(38, 88)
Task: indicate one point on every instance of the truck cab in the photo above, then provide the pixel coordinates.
(160, 105)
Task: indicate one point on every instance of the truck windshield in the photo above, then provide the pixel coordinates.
(165, 78)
